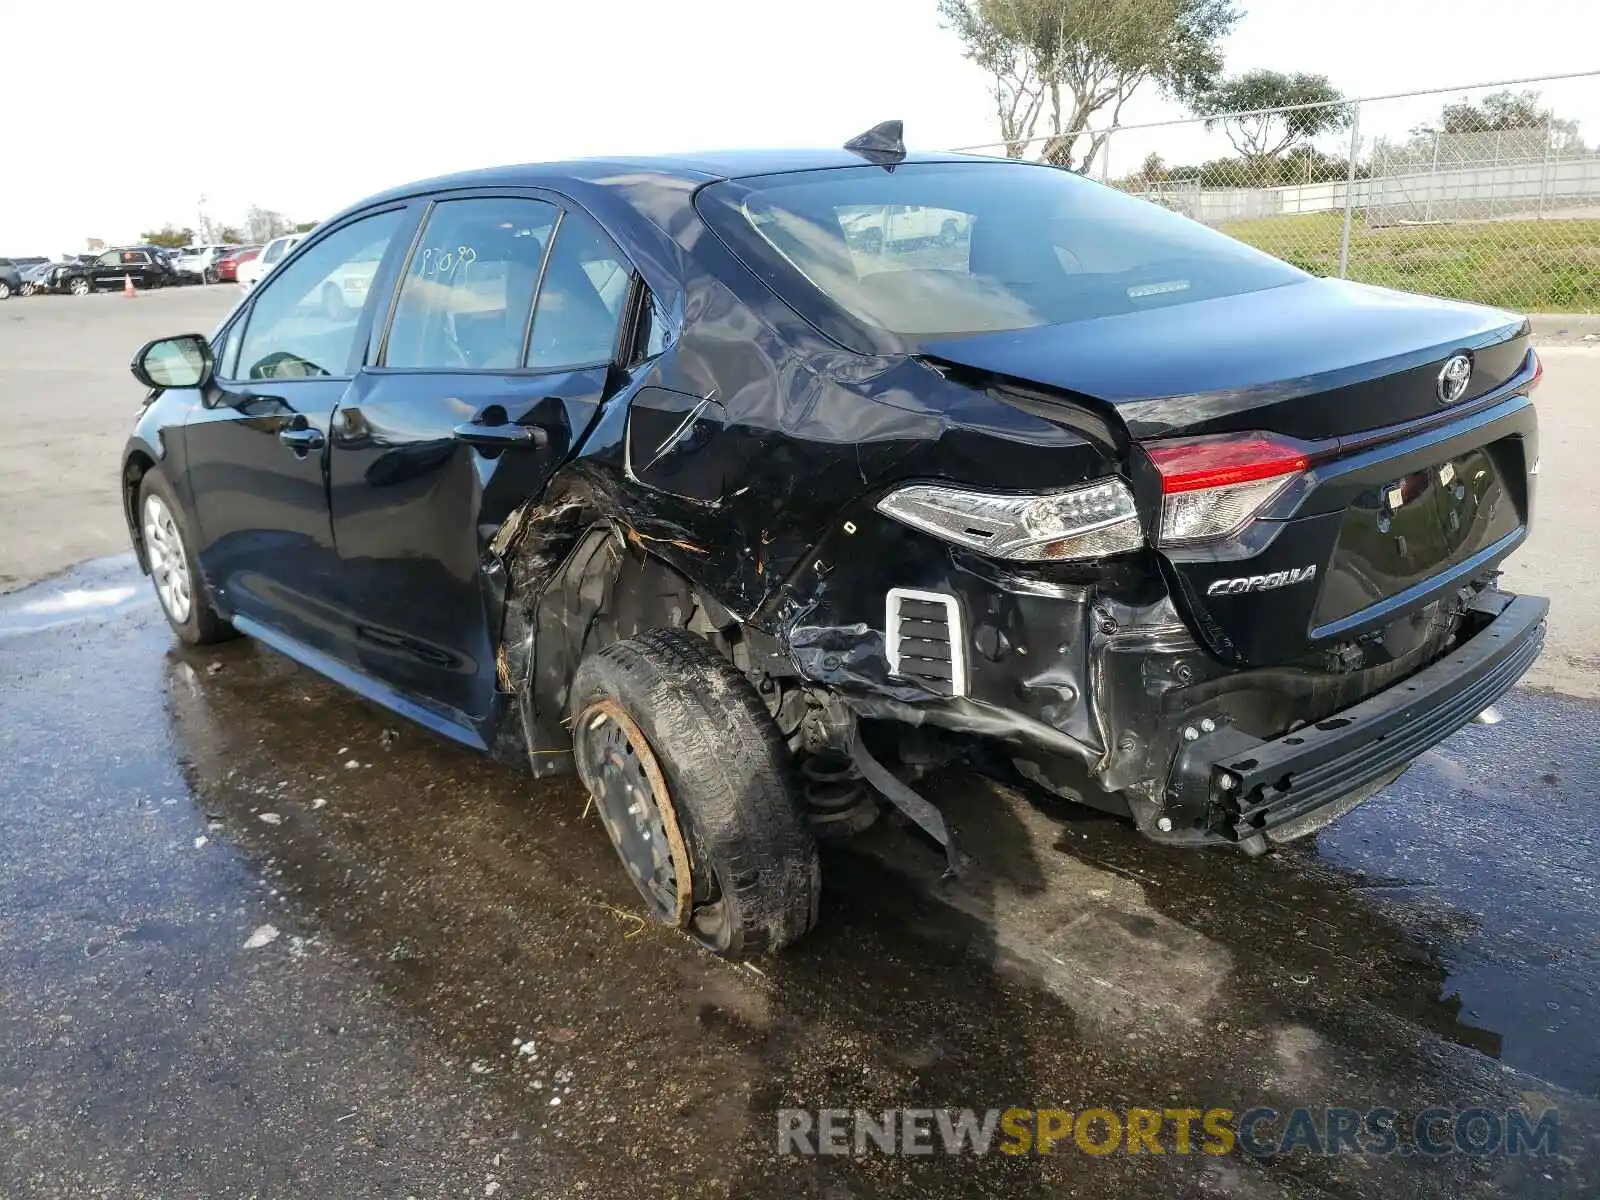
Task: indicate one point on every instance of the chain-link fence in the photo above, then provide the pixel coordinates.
(1487, 193)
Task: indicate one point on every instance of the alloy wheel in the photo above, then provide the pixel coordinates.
(169, 563)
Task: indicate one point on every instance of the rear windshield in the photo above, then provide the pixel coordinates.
(952, 248)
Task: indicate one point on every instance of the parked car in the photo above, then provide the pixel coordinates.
(10, 279)
(901, 226)
(1185, 533)
(198, 263)
(144, 265)
(249, 273)
(226, 270)
(33, 277)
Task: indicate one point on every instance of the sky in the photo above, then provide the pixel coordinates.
(305, 106)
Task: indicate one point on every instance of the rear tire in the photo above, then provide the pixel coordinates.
(185, 601)
(5, 290)
(752, 859)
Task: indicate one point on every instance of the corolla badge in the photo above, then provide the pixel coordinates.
(1262, 583)
(1453, 378)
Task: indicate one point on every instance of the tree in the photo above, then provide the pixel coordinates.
(263, 224)
(306, 226)
(1261, 137)
(1501, 112)
(1071, 60)
(168, 236)
(229, 235)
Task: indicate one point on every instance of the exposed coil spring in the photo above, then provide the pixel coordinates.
(838, 801)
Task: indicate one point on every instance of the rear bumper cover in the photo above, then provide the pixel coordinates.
(1257, 791)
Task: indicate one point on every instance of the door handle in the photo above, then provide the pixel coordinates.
(302, 440)
(502, 437)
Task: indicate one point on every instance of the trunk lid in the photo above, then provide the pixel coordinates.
(1256, 360)
(1393, 512)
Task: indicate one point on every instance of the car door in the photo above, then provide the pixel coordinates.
(257, 447)
(468, 408)
(140, 266)
(107, 269)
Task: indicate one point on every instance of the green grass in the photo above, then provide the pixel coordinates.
(1527, 266)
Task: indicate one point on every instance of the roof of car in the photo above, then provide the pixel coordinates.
(703, 167)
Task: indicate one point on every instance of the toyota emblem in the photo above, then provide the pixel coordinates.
(1453, 378)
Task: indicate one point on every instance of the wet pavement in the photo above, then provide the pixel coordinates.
(436, 914)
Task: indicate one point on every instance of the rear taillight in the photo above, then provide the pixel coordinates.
(1212, 487)
(1538, 370)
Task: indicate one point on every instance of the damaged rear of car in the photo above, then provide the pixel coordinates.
(1214, 542)
(666, 472)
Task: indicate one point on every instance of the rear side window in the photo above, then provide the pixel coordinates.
(274, 250)
(951, 248)
(469, 286)
(581, 298)
(304, 318)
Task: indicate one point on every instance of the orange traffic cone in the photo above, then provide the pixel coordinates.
(127, 286)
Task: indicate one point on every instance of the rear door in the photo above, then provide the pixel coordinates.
(478, 392)
(107, 269)
(257, 449)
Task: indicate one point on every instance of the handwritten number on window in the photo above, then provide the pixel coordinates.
(443, 261)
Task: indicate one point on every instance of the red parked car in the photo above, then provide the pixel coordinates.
(227, 267)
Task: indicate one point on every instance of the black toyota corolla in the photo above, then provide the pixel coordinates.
(749, 485)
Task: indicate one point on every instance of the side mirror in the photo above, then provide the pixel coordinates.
(183, 361)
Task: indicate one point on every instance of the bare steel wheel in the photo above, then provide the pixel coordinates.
(164, 537)
(616, 763)
(169, 561)
(692, 781)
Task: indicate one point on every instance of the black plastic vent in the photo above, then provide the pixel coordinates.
(924, 640)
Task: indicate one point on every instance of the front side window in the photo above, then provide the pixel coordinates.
(951, 248)
(469, 286)
(111, 258)
(304, 319)
(581, 299)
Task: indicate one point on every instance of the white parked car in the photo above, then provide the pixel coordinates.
(876, 228)
(199, 262)
(250, 273)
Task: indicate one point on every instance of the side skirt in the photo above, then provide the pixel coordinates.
(453, 727)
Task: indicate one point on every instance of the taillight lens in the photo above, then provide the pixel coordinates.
(1086, 522)
(1538, 370)
(1212, 487)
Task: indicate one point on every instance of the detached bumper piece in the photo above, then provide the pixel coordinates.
(1254, 791)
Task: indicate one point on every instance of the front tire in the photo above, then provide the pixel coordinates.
(185, 602)
(5, 290)
(81, 287)
(739, 872)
